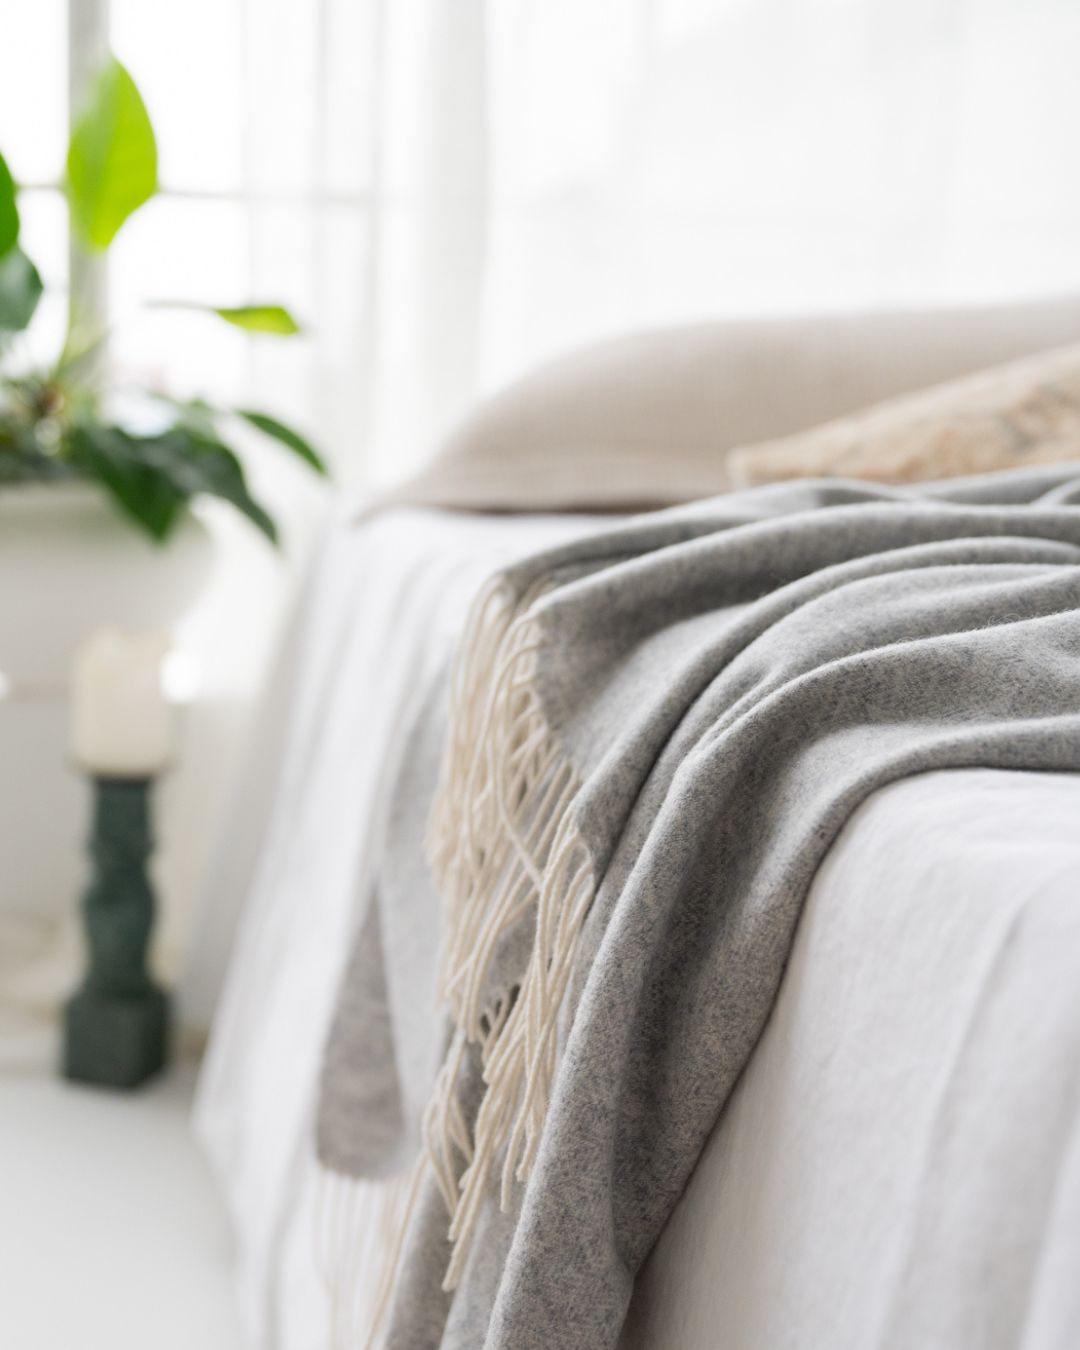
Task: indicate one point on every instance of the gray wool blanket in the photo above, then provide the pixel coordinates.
(654, 735)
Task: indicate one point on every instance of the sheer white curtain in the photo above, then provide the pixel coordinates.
(537, 175)
(666, 158)
(451, 189)
(331, 153)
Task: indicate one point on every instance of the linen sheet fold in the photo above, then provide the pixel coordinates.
(655, 734)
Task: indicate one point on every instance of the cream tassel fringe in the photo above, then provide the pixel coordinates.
(502, 843)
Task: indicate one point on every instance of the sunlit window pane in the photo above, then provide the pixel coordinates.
(284, 65)
(348, 89)
(45, 234)
(33, 88)
(189, 63)
(44, 237)
(180, 250)
(315, 263)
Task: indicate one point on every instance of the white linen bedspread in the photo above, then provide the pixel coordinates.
(904, 1146)
(379, 615)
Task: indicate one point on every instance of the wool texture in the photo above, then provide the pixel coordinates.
(654, 734)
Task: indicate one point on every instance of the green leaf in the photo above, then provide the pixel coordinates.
(112, 158)
(22, 459)
(211, 467)
(153, 477)
(9, 211)
(273, 319)
(270, 426)
(143, 489)
(20, 291)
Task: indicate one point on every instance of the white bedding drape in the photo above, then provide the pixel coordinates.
(387, 601)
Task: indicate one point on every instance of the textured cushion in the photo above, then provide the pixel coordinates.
(1026, 412)
(648, 420)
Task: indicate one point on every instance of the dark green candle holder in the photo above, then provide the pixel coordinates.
(116, 1027)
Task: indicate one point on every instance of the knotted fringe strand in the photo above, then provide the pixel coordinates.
(502, 842)
(443, 1128)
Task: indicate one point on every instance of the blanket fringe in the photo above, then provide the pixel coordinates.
(503, 843)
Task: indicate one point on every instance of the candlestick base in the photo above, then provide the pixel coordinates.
(114, 1041)
(116, 1026)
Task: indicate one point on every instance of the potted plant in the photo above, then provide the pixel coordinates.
(95, 493)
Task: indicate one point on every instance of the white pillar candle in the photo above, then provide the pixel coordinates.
(121, 723)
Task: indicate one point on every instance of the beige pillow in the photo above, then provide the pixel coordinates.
(650, 419)
(1027, 412)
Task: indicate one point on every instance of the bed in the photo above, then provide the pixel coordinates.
(904, 1127)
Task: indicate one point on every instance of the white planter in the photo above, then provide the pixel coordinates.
(69, 562)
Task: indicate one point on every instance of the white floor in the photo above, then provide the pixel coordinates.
(112, 1236)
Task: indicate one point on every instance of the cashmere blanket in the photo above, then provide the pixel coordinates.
(654, 735)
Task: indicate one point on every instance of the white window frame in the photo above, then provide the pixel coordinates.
(87, 47)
